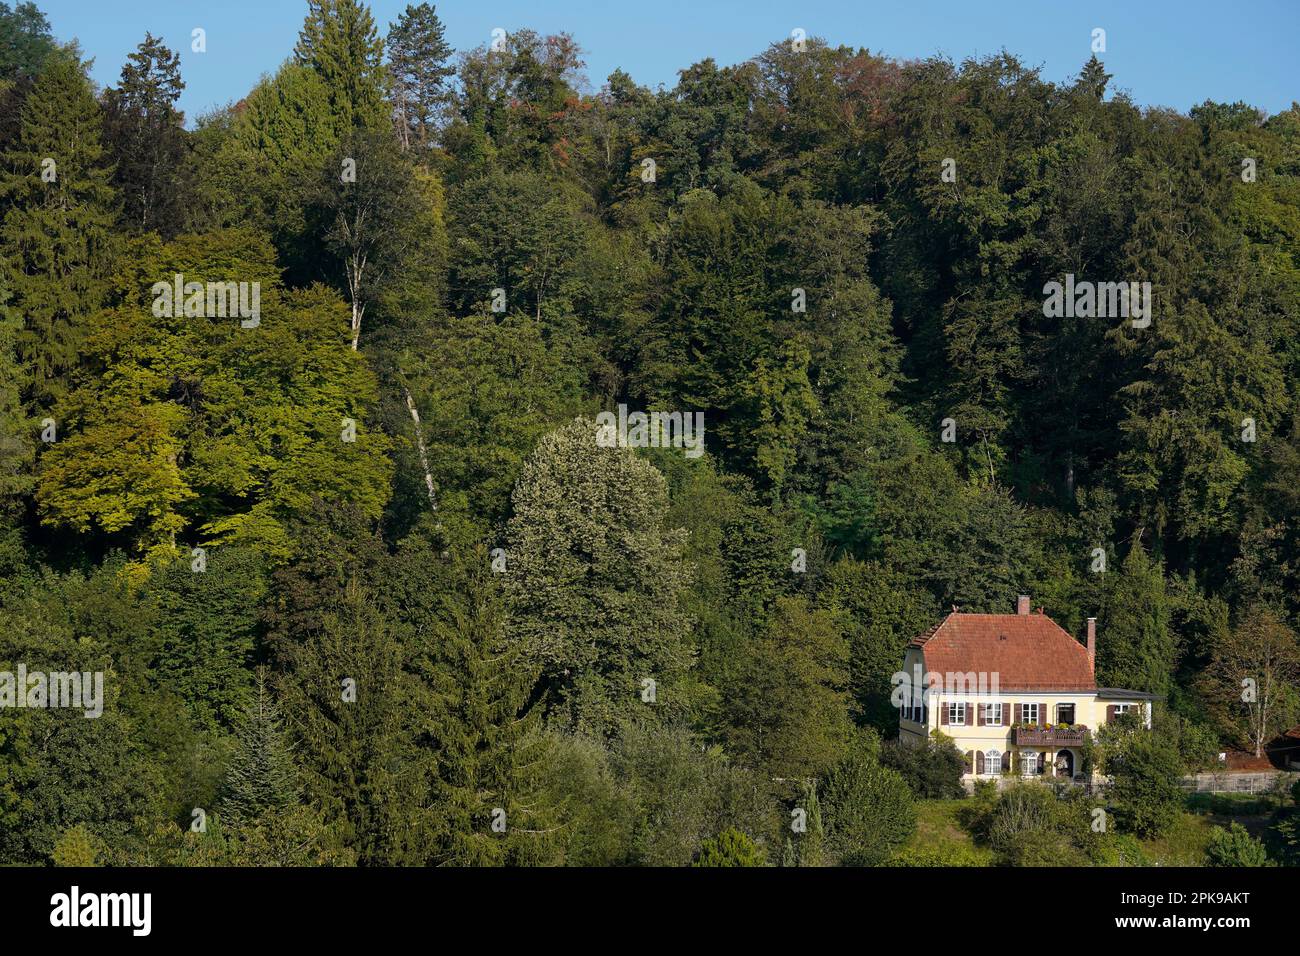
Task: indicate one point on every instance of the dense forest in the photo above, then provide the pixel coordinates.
(366, 588)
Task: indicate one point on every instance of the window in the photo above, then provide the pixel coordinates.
(993, 759)
(1029, 762)
(993, 715)
(1029, 713)
(957, 714)
(1065, 713)
(1122, 709)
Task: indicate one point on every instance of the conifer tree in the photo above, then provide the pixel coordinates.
(146, 138)
(729, 848)
(481, 727)
(417, 64)
(1135, 648)
(15, 442)
(55, 241)
(339, 42)
(261, 775)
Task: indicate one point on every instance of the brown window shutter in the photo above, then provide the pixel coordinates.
(943, 713)
(969, 760)
(1042, 715)
(979, 714)
(979, 761)
(1016, 718)
(1110, 713)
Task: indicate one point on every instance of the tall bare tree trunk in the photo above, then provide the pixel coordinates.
(420, 446)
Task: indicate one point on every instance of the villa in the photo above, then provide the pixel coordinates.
(1015, 692)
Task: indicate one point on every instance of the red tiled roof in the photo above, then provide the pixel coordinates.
(1026, 651)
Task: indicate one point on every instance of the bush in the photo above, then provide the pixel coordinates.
(729, 848)
(1145, 794)
(1117, 849)
(1235, 847)
(1024, 827)
(868, 810)
(932, 771)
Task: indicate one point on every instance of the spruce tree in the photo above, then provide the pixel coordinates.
(261, 775)
(1135, 647)
(146, 138)
(15, 441)
(55, 241)
(339, 42)
(481, 725)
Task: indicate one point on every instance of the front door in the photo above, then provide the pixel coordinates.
(1065, 764)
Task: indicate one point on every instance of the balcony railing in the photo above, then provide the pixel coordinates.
(1075, 736)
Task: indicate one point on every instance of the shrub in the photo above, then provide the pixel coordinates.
(868, 810)
(1235, 847)
(729, 848)
(932, 771)
(1144, 793)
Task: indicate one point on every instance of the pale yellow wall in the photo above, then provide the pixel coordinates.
(1088, 711)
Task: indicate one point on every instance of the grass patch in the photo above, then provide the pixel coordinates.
(1231, 804)
(1183, 845)
(940, 839)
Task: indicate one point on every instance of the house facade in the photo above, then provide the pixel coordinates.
(1016, 693)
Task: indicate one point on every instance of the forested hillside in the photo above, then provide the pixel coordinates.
(364, 583)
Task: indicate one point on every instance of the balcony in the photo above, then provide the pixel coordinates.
(1074, 736)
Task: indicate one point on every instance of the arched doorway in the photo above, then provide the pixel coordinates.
(1065, 764)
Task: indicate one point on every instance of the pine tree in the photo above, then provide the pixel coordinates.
(417, 64)
(146, 138)
(55, 242)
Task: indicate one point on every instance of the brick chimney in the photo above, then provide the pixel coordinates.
(1022, 605)
(1092, 643)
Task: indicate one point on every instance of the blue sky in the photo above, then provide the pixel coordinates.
(1163, 52)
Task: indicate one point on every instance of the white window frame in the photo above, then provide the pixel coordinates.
(1123, 708)
(993, 762)
(1029, 763)
(990, 721)
(1024, 713)
(957, 709)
